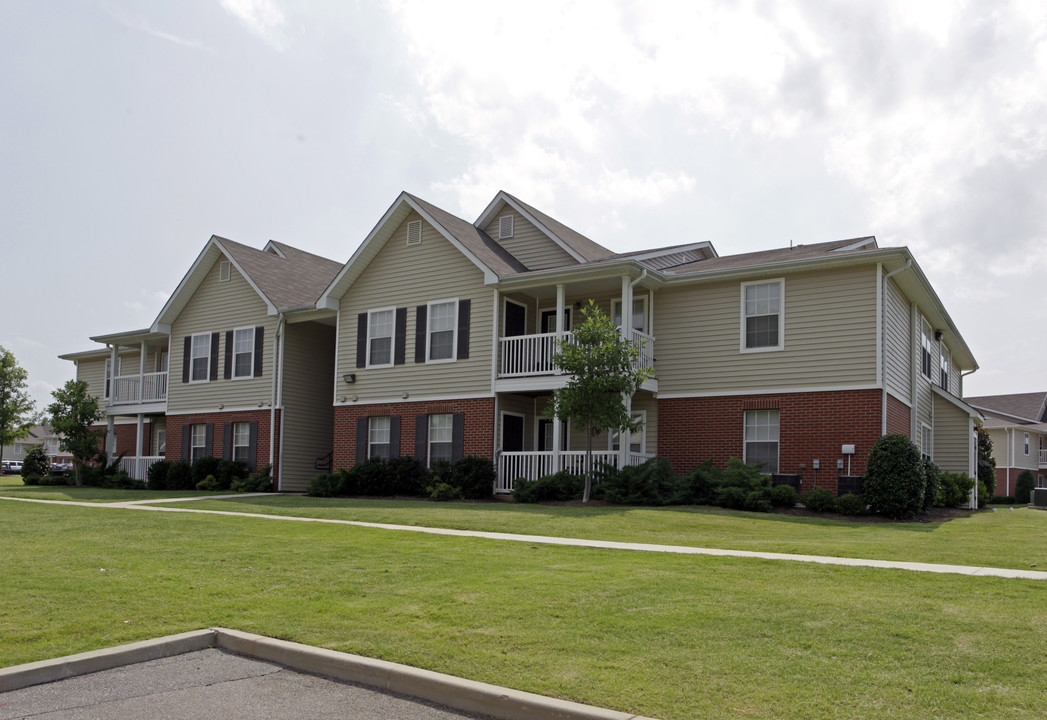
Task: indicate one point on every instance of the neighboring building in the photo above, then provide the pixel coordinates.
(436, 340)
(38, 435)
(1017, 425)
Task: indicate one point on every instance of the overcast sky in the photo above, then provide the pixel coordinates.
(130, 132)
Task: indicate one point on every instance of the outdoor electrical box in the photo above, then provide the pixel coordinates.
(839, 464)
(816, 464)
(847, 450)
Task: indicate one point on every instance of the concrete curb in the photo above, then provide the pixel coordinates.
(447, 690)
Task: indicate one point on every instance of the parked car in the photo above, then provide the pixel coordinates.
(12, 467)
(61, 468)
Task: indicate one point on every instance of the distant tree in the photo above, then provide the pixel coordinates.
(986, 461)
(16, 407)
(602, 368)
(71, 416)
(36, 463)
(1024, 486)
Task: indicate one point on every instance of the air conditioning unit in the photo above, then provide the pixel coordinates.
(1039, 498)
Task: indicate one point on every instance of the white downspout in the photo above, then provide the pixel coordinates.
(278, 372)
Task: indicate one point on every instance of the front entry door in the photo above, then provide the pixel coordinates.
(512, 433)
(549, 320)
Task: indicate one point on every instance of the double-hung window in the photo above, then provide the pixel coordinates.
(380, 333)
(762, 316)
(109, 375)
(242, 441)
(925, 349)
(378, 437)
(1026, 443)
(761, 439)
(637, 438)
(441, 428)
(243, 352)
(944, 361)
(443, 324)
(199, 447)
(639, 315)
(200, 358)
(926, 442)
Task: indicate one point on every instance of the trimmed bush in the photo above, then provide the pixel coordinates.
(156, 475)
(954, 489)
(1022, 489)
(261, 481)
(851, 504)
(36, 462)
(819, 500)
(932, 479)
(324, 485)
(651, 483)
(984, 495)
(58, 480)
(784, 496)
(743, 487)
(558, 486)
(229, 470)
(894, 478)
(1004, 500)
(179, 476)
(474, 476)
(209, 484)
(202, 467)
(444, 491)
(698, 487)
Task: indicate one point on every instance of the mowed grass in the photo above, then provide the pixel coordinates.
(12, 486)
(1002, 539)
(653, 634)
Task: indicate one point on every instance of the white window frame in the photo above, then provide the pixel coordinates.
(193, 357)
(568, 318)
(392, 337)
(944, 367)
(926, 368)
(503, 225)
(565, 434)
(196, 429)
(160, 442)
(414, 232)
(613, 439)
(429, 331)
(778, 440)
(926, 441)
(449, 441)
(375, 433)
(241, 441)
(1026, 444)
(237, 353)
(110, 377)
(617, 302)
(781, 316)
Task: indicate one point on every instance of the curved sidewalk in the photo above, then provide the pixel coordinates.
(154, 506)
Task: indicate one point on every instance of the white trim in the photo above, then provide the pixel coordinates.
(632, 436)
(514, 302)
(192, 357)
(781, 316)
(388, 430)
(864, 242)
(768, 391)
(392, 339)
(337, 344)
(923, 452)
(565, 432)
(400, 400)
(646, 311)
(542, 311)
(232, 370)
(224, 271)
(414, 228)
(212, 410)
(745, 443)
(429, 332)
(502, 224)
(489, 213)
(232, 450)
(900, 399)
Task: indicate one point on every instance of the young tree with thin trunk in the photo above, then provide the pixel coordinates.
(16, 407)
(72, 414)
(602, 365)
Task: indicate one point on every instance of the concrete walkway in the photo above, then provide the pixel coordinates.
(150, 505)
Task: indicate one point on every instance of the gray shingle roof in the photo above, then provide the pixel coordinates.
(293, 281)
(1027, 406)
(770, 257)
(582, 245)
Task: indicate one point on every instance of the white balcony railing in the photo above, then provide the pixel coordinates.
(139, 389)
(1043, 458)
(138, 467)
(533, 465)
(526, 355)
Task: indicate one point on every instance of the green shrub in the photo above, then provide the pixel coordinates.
(208, 484)
(743, 487)
(404, 476)
(261, 481)
(1004, 500)
(474, 476)
(1022, 489)
(364, 478)
(326, 485)
(651, 483)
(229, 470)
(558, 486)
(179, 476)
(819, 500)
(36, 462)
(784, 496)
(122, 481)
(156, 475)
(984, 495)
(851, 504)
(932, 480)
(698, 487)
(954, 489)
(202, 467)
(894, 479)
(31, 479)
(58, 480)
(444, 491)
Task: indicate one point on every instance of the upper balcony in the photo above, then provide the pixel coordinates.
(143, 389)
(532, 355)
(1043, 459)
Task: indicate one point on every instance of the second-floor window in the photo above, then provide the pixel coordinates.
(762, 305)
(380, 335)
(443, 322)
(925, 349)
(243, 352)
(1026, 443)
(200, 359)
(944, 361)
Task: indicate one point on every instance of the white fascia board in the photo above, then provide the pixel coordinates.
(503, 197)
(864, 242)
(272, 246)
(704, 245)
(167, 313)
(971, 411)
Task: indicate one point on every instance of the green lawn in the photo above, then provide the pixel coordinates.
(659, 635)
(12, 486)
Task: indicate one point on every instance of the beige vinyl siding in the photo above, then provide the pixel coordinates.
(308, 416)
(528, 244)
(952, 437)
(829, 340)
(408, 276)
(218, 307)
(924, 413)
(93, 373)
(898, 331)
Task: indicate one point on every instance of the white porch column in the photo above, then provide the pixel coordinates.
(560, 292)
(138, 447)
(110, 434)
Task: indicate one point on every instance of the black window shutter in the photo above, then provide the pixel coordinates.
(394, 436)
(419, 333)
(252, 452)
(259, 346)
(361, 340)
(400, 356)
(227, 441)
(463, 329)
(209, 439)
(228, 354)
(186, 358)
(457, 437)
(187, 432)
(361, 439)
(421, 439)
(214, 355)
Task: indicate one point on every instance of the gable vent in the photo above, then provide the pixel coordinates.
(223, 271)
(505, 227)
(414, 232)
(662, 262)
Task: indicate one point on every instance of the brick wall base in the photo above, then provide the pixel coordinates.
(127, 438)
(479, 425)
(179, 424)
(812, 426)
(899, 417)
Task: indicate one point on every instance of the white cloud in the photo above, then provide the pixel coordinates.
(138, 22)
(261, 17)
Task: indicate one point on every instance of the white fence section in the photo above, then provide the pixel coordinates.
(533, 465)
(525, 355)
(137, 467)
(646, 344)
(139, 389)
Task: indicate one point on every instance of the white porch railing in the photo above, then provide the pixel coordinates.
(525, 355)
(139, 389)
(138, 467)
(533, 465)
(1043, 458)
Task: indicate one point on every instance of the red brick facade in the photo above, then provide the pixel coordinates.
(899, 417)
(479, 425)
(178, 424)
(127, 437)
(812, 426)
